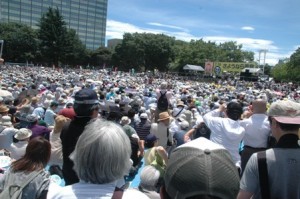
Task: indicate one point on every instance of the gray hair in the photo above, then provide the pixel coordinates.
(102, 153)
(149, 178)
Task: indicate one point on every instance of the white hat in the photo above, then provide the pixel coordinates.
(144, 116)
(23, 133)
(184, 124)
(125, 120)
(6, 121)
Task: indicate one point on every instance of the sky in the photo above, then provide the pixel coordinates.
(272, 25)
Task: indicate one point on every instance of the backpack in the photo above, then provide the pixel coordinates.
(162, 103)
(14, 191)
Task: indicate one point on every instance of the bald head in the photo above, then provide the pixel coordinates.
(259, 106)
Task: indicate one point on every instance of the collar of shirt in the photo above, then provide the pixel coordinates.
(288, 141)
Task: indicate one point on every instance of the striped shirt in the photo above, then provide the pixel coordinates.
(143, 129)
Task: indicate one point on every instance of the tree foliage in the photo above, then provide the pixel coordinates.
(20, 43)
(144, 51)
(288, 69)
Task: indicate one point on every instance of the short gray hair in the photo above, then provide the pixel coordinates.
(149, 177)
(102, 153)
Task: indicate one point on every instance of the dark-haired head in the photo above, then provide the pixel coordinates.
(234, 110)
(36, 157)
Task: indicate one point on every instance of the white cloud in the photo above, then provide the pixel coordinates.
(249, 28)
(167, 26)
(116, 29)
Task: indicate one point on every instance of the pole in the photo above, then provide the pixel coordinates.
(265, 52)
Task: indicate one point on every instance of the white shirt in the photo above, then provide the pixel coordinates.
(6, 137)
(17, 150)
(83, 190)
(49, 117)
(226, 132)
(160, 131)
(257, 130)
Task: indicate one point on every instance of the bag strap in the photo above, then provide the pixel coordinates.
(30, 178)
(24, 184)
(179, 112)
(263, 175)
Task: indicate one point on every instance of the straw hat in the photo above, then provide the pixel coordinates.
(180, 103)
(3, 109)
(163, 116)
(6, 121)
(23, 134)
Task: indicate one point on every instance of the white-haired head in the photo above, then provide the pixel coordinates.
(102, 153)
(149, 178)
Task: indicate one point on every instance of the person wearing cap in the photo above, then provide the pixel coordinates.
(155, 155)
(227, 131)
(86, 106)
(50, 113)
(274, 173)
(200, 169)
(143, 127)
(17, 150)
(257, 131)
(161, 130)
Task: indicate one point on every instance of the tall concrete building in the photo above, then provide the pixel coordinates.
(87, 17)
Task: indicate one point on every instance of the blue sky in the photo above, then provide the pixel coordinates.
(273, 25)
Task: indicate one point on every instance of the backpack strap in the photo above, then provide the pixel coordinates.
(263, 175)
(30, 178)
(162, 94)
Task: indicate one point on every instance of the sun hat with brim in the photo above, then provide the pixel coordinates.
(163, 116)
(23, 133)
(31, 118)
(3, 109)
(125, 120)
(6, 121)
(216, 174)
(285, 111)
(180, 103)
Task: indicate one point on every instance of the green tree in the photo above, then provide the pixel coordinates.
(53, 36)
(144, 51)
(75, 51)
(100, 57)
(20, 42)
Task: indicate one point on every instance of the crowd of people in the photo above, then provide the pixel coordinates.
(187, 139)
